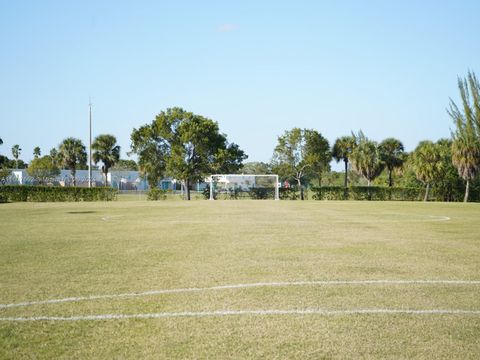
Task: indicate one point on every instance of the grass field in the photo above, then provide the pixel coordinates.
(62, 250)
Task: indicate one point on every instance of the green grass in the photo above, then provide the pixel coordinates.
(58, 250)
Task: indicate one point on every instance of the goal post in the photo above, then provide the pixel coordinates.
(245, 183)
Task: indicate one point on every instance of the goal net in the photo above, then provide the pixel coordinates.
(247, 186)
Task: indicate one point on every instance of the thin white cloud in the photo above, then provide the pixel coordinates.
(227, 27)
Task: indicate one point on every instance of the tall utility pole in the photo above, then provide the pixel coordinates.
(90, 146)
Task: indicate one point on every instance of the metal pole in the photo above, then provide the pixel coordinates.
(90, 148)
(211, 188)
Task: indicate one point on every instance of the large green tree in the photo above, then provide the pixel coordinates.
(466, 136)
(342, 150)
(393, 156)
(317, 153)
(43, 170)
(300, 153)
(196, 147)
(426, 162)
(448, 186)
(187, 146)
(106, 151)
(256, 168)
(126, 165)
(72, 155)
(151, 150)
(16, 150)
(366, 158)
(228, 158)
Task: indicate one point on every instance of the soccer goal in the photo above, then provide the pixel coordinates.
(235, 186)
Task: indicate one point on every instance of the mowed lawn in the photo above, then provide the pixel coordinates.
(62, 250)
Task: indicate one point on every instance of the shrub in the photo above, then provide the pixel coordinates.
(288, 193)
(330, 193)
(156, 194)
(367, 193)
(14, 193)
(43, 169)
(261, 193)
(234, 193)
(4, 174)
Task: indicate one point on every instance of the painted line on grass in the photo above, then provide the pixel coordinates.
(244, 286)
(112, 217)
(439, 218)
(108, 218)
(246, 312)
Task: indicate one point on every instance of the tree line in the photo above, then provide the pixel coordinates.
(71, 154)
(302, 155)
(189, 147)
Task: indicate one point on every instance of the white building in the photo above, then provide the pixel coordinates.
(122, 180)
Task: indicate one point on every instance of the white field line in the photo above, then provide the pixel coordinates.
(108, 218)
(247, 312)
(244, 286)
(439, 218)
(112, 217)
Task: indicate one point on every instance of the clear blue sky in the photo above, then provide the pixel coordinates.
(256, 67)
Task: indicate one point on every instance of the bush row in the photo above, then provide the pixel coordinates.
(13, 193)
(325, 193)
(367, 193)
(258, 193)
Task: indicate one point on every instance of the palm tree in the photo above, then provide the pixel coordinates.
(36, 152)
(16, 150)
(366, 158)
(466, 138)
(106, 151)
(342, 150)
(54, 155)
(426, 163)
(466, 156)
(71, 155)
(391, 151)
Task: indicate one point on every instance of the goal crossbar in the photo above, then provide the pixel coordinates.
(213, 176)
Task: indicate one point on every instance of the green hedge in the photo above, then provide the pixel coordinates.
(261, 193)
(367, 193)
(289, 193)
(258, 193)
(13, 193)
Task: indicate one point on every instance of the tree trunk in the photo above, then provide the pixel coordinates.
(301, 188)
(427, 189)
(106, 178)
(390, 182)
(346, 169)
(187, 189)
(320, 179)
(369, 182)
(467, 190)
(73, 178)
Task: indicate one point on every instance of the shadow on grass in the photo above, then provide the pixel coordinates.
(81, 212)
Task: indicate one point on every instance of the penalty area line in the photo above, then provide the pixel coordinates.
(243, 286)
(245, 312)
